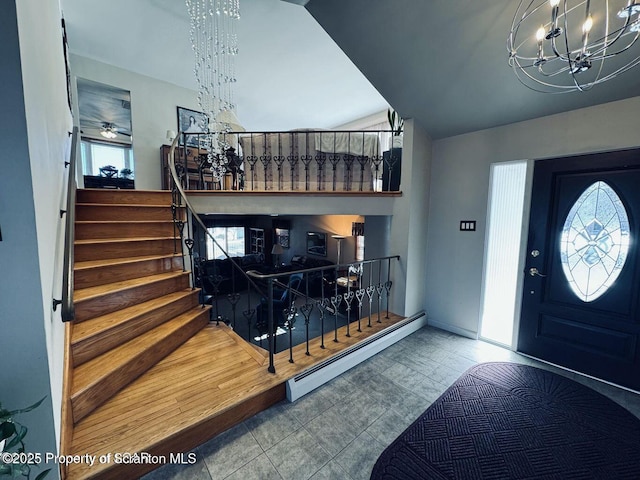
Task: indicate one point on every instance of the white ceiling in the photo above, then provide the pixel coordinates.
(440, 62)
(290, 73)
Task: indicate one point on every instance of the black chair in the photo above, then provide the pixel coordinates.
(281, 301)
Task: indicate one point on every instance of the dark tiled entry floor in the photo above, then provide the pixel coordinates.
(338, 431)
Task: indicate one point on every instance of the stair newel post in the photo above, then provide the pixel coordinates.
(270, 330)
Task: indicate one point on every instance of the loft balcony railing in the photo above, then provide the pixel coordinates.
(261, 305)
(292, 161)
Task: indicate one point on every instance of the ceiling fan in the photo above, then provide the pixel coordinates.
(110, 131)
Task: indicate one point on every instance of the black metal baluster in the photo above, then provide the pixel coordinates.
(387, 285)
(348, 162)
(334, 160)
(252, 160)
(265, 159)
(279, 160)
(321, 159)
(348, 298)
(322, 304)
(270, 330)
(306, 160)
(249, 313)
(306, 310)
(362, 160)
(290, 318)
(335, 302)
(293, 162)
(370, 291)
(360, 297)
(376, 160)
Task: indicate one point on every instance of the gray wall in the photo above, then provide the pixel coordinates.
(34, 125)
(459, 191)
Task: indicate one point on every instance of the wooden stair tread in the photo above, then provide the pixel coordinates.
(119, 240)
(89, 372)
(102, 222)
(109, 288)
(83, 330)
(177, 384)
(119, 261)
(116, 205)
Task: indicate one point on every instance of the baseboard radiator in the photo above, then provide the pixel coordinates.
(322, 373)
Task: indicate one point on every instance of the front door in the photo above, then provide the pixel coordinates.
(580, 306)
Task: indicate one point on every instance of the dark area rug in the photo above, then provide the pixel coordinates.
(505, 420)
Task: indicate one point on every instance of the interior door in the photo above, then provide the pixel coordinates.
(580, 305)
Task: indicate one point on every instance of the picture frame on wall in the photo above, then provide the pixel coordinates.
(191, 122)
(282, 237)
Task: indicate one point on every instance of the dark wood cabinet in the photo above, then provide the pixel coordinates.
(96, 181)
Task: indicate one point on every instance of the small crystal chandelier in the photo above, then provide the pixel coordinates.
(215, 44)
(560, 46)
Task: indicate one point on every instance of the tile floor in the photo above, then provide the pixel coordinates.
(338, 431)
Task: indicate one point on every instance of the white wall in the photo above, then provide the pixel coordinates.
(34, 125)
(153, 112)
(408, 226)
(460, 185)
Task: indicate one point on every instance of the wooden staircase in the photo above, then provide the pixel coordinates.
(133, 302)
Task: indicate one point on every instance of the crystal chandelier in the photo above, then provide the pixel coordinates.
(559, 46)
(215, 44)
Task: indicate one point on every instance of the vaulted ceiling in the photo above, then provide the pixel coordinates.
(443, 63)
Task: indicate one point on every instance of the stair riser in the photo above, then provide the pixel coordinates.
(90, 347)
(88, 231)
(83, 403)
(91, 277)
(131, 197)
(121, 213)
(91, 251)
(118, 300)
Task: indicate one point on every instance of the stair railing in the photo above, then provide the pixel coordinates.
(361, 280)
(367, 288)
(68, 310)
(185, 231)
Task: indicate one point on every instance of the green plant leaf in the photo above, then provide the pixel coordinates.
(7, 429)
(28, 409)
(18, 438)
(41, 475)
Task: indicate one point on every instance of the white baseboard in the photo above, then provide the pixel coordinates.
(453, 329)
(308, 381)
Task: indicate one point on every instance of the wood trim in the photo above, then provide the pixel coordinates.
(288, 193)
(66, 413)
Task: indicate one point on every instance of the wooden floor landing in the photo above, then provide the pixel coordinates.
(212, 382)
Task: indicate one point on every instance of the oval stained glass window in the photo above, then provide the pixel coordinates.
(594, 241)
